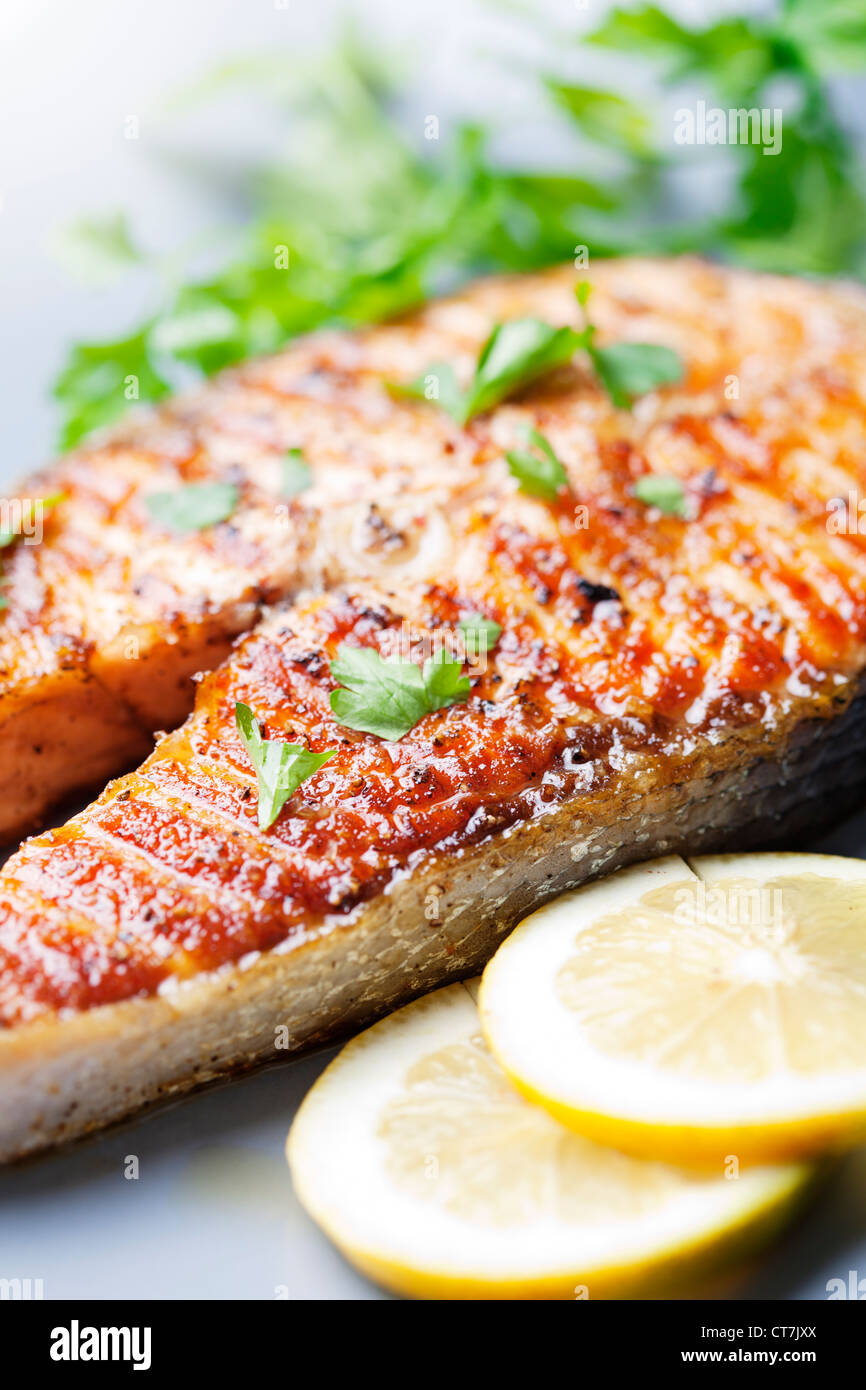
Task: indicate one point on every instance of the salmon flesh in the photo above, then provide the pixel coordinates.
(662, 682)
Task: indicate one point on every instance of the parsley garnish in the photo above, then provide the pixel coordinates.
(539, 472)
(438, 384)
(280, 767)
(297, 475)
(516, 353)
(662, 491)
(388, 697)
(626, 370)
(480, 634)
(520, 351)
(193, 507)
(353, 224)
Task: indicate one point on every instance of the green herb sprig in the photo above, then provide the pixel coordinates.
(358, 224)
(480, 634)
(517, 353)
(538, 470)
(297, 474)
(280, 768)
(627, 370)
(388, 696)
(193, 507)
(663, 491)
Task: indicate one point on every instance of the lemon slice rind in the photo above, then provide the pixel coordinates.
(359, 1170)
(632, 1104)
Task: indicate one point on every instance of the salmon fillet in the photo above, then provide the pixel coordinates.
(660, 684)
(111, 615)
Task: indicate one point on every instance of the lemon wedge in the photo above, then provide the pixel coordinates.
(437, 1179)
(700, 1013)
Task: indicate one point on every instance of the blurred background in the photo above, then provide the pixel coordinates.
(156, 152)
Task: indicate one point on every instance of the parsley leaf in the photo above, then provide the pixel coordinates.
(480, 634)
(194, 507)
(662, 491)
(297, 475)
(280, 767)
(833, 33)
(737, 53)
(444, 684)
(516, 353)
(438, 383)
(626, 370)
(539, 473)
(606, 117)
(100, 380)
(389, 697)
(197, 331)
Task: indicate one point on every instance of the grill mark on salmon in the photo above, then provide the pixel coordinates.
(659, 685)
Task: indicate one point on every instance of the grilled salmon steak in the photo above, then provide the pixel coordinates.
(109, 617)
(666, 678)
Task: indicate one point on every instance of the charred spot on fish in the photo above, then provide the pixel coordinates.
(380, 534)
(597, 593)
(375, 614)
(314, 662)
(709, 484)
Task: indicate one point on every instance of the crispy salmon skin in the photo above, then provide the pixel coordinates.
(661, 683)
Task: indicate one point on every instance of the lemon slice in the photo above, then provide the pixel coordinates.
(435, 1177)
(698, 1014)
